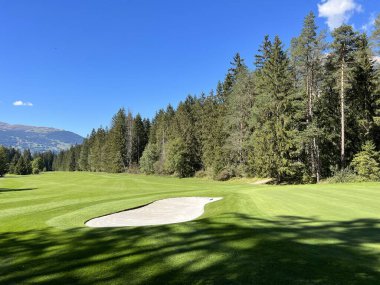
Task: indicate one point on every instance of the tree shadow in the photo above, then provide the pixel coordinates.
(2, 190)
(230, 249)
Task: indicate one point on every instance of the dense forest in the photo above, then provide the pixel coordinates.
(303, 114)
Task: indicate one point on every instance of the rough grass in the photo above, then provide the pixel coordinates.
(258, 234)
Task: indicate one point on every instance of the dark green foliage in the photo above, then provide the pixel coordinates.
(212, 132)
(112, 150)
(37, 165)
(148, 159)
(140, 135)
(15, 162)
(83, 163)
(24, 165)
(274, 139)
(298, 117)
(3, 161)
(238, 113)
(362, 95)
(179, 159)
(342, 58)
(117, 143)
(366, 163)
(306, 57)
(376, 35)
(346, 175)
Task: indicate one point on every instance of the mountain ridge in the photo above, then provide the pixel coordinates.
(36, 138)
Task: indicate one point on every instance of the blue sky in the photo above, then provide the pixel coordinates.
(72, 64)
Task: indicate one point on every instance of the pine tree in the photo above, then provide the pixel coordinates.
(376, 36)
(37, 165)
(84, 155)
(327, 119)
(148, 159)
(139, 139)
(237, 65)
(3, 162)
(188, 138)
(27, 162)
(13, 163)
(160, 134)
(118, 141)
(96, 159)
(343, 48)
(24, 165)
(362, 95)
(236, 121)
(307, 54)
(275, 128)
(366, 163)
(72, 159)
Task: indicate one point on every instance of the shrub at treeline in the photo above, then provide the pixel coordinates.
(297, 117)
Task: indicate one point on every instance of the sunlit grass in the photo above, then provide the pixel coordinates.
(258, 234)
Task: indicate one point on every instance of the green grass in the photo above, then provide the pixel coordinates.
(258, 234)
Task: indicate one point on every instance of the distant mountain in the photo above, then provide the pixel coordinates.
(37, 139)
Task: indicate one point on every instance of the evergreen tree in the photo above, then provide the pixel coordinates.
(117, 143)
(362, 96)
(236, 121)
(343, 49)
(27, 162)
(307, 54)
(376, 36)
(138, 139)
(161, 133)
(72, 160)
(185, 130)
(179, 159)
(84, 154)
(327, 119)
(96, 159)
(23, 166)
(3, 162)
(148, 159)
(37, 165)
(274, 118)
(13, 163)
(366, 163)
(212, 132)
(237, 65)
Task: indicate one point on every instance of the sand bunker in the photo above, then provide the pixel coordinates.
(161, 212)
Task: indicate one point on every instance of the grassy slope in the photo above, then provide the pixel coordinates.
(318, 234)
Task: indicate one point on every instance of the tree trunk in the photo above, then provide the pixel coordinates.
(317, 160)
(342, 119)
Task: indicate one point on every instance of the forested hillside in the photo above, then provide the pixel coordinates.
(301, 115)
(37, 139)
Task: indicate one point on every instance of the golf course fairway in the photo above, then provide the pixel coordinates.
(257, 234)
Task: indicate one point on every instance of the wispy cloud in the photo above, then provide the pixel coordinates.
(338, 12)
(21, 103)
(371, 22)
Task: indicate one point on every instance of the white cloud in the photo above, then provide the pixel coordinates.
(337, 12)
(21, 103)
(377, 59)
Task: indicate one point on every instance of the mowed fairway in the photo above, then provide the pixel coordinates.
(310, 234)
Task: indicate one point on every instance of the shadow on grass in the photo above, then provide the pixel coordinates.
(233, 249)
(15, 189)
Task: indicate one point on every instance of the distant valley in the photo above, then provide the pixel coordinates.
(37, 139)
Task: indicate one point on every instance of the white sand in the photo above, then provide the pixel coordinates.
(161, 212)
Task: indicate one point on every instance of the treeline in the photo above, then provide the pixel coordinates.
(23, 163)
(117, 149)
(301, 115)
